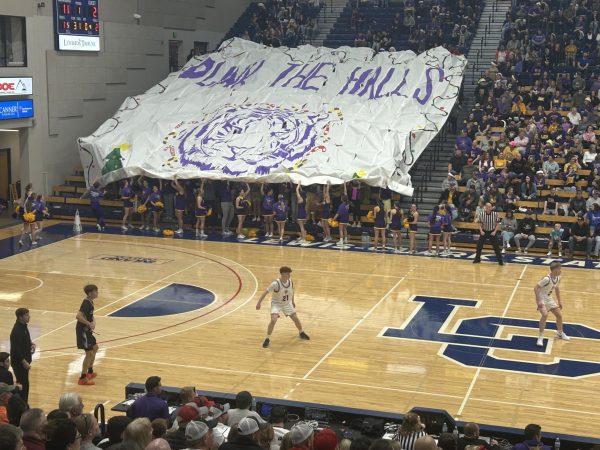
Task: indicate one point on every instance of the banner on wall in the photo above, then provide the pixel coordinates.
(307, 115)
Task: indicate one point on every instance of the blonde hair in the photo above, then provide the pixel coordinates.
(286, 442)
(344, 444)
(138, 434)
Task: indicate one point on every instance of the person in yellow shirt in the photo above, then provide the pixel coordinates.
(518, 106)
(509, 153)
(570, 52)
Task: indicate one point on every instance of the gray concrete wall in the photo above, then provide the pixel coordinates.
(74, 92)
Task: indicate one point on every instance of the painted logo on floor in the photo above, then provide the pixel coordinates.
(474, 341)
(172, 299)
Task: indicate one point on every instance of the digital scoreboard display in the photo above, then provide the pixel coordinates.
(77, 25)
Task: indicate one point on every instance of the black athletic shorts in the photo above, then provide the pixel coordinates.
(85, 339)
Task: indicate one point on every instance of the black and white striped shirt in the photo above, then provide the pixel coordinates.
(488, 221)
(407, 441)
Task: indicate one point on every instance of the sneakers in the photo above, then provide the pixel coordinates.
(99, 227)
(525, 251)
(559, 254)
(540, 342)
(142, 228)
(266, 342)
(503, 250)
(92, 375)
(519, 250)
(549, 254)
(85, 382)
(179, 231)
(241, 236)
(562, 336)
(304, 336)
(203, 236)
(157, 230)
(124, 228)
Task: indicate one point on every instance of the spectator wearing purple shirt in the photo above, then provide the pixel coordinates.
(150, 405)
(463, 141)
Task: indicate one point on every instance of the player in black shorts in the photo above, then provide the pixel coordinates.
(85, 337)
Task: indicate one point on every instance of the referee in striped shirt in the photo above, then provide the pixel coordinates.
(488, 228)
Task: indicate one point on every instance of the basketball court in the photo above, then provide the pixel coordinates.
(388, 332)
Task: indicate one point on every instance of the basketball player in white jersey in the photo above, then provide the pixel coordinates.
(282, 300)
(543, 296)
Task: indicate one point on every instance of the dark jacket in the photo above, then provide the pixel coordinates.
(580, 230)
(20, 343)
(176, 439)
(517, 166)
(464, 441)
(6, 376)
(527, 226)
(241, 443)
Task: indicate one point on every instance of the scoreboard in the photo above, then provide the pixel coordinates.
(77, 25)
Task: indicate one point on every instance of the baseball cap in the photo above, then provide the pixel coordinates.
(214, 412)
(187, 414)
(325, 439)
(196, 430)
(249, 425)
(301, 432)
(6, 388)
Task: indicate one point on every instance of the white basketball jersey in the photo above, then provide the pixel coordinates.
(281, 292)
(547, 285)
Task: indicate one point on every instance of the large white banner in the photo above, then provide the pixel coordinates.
(308, 115)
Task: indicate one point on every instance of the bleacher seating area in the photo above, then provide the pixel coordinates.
(538, 99)
(402, 25)
(276, 23)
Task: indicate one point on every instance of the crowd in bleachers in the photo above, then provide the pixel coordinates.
(278, 23)
(200, 423)
(529, 144)
(420, 25)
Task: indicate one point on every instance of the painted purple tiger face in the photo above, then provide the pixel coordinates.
(256, 139)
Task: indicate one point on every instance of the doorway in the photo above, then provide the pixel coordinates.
(174, 47)
(5, 173)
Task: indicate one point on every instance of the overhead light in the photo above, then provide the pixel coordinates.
(9, 131)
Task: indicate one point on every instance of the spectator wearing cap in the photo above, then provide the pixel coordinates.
(277, 419)
(302, 436)
(476, 181)
(243, 402)
(150, 405)
(199, 435)
(580, 237)
(577, 205)
(533, 438)
(177, 438)
(247, 432)
(114, 431)
(219, 414)
(450, 180)
(21, 350)
(526, 230)
(32, 424)
(326, 439)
